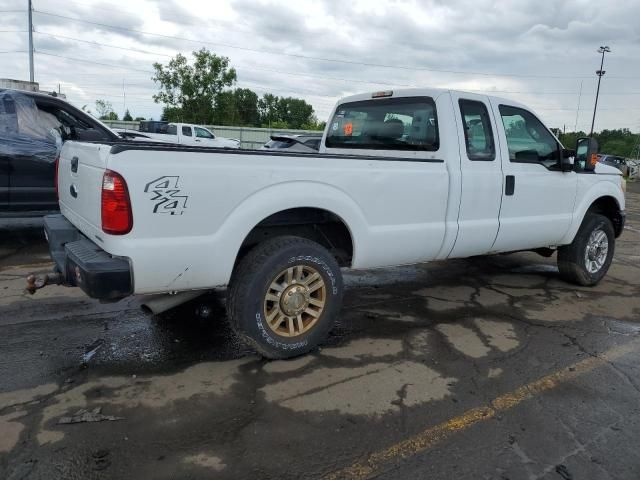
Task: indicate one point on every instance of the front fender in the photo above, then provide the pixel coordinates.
(586, 199)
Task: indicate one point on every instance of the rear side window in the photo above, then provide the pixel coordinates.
(313, 143)
(186, 131)
(408, 123)
(478, 135)
(279, 144)
(172, 130)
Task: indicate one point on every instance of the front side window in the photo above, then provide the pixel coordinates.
(478, 135)
(186, 131)
(528, 139)
(173, 130)
(408, 123)
(202, 133)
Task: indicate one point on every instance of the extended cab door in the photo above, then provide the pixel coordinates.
(481, 172)
(186, 135)
(537, 198)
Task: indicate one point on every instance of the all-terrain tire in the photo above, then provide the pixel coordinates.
(263, 274)
(578, 262)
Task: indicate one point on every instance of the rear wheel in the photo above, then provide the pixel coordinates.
(284, 296)
(587, 259)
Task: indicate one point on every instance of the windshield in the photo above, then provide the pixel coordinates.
(408, 123)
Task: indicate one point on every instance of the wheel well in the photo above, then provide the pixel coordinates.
(315, 224)
(608, 206)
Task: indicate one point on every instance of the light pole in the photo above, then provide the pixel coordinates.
(600, 73)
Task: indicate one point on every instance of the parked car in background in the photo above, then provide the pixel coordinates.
(195, 135)
(135, 135)
(33, 127)
(634, 169)
(153, 126)
(615, 161)
(294, 143)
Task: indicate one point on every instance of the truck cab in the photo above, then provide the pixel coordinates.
(196, 135)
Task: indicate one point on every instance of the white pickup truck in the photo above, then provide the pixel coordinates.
(188, 134)
(401, 177)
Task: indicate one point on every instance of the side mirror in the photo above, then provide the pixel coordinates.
(567, 159)
(587, 154)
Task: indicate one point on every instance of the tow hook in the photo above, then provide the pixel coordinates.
(37, 282)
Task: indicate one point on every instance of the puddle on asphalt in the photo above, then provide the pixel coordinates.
(383, 276)
(365, 347)
(211, 378)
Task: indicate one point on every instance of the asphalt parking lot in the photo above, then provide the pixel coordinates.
(485, 368)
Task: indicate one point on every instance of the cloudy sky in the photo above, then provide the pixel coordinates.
(539, 53)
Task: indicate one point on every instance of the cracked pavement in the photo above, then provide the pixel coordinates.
(410, 377)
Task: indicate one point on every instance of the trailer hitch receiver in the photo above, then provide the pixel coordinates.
(35, 283)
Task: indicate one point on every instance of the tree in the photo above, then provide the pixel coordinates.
(287, 112)
(237, 107)
(192, 89)
(612, 142)
(127, 116)
(268, 109)
(105, 110)
(138, 119)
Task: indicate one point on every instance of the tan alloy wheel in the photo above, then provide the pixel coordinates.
(295, 300)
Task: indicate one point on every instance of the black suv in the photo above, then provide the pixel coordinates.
(33, 127)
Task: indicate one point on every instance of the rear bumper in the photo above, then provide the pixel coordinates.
(83, 264)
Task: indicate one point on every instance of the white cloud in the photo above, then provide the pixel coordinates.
(557, 40)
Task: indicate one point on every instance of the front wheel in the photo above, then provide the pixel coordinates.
(284, 296)
(587, 259)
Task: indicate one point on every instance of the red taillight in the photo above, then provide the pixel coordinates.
(55, 181)
(116, 206)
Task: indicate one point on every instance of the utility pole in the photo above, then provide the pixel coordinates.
(575, 127)
(600, 73)
(30, 42)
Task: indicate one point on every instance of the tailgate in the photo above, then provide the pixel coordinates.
(80, 170)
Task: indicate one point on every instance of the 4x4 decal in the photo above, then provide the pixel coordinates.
(166, 195)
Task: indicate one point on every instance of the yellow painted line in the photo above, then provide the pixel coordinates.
(434, 435)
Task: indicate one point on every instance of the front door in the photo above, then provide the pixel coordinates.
(481, 172)
(537, 198)
(205, 138)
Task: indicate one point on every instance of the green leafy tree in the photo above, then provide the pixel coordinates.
(237, 107)
(192, 88)
(268, 110)
(127, 116)
(138, 119)
(620, 141)
(105, 110)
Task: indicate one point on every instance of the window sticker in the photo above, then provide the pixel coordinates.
(348, 129)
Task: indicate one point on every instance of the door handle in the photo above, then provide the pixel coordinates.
(509, 185)
(74, 165)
